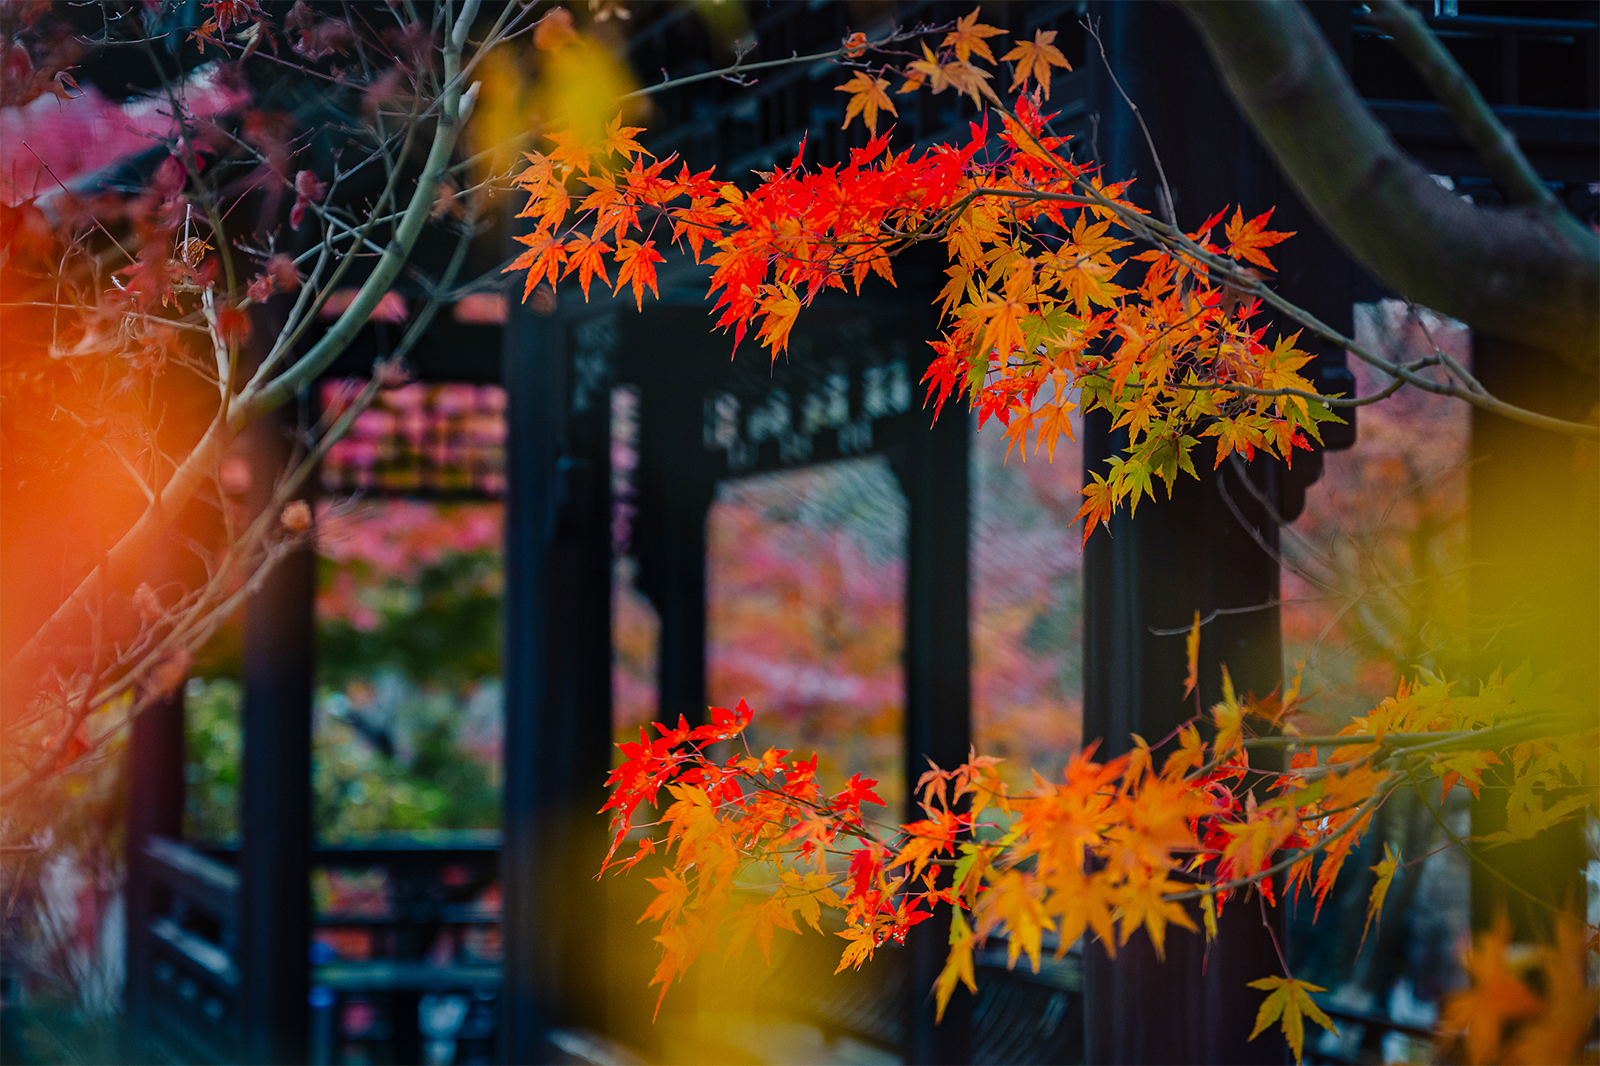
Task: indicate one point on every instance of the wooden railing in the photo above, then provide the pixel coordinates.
(191, 985)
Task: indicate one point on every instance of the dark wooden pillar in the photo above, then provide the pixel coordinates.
(532, 378)
(1210, 546)
(932, 465)
(558, 689)
(275, 802)
(1150, 572)
(675, 490)
(155, 808)
(1535, 598)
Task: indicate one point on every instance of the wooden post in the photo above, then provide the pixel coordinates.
(155, 808)
(531, 375)
(558, 688)
(932, 466)
(1212, 545)
(275, 801)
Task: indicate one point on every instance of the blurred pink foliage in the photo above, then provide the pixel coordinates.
(395, 540)
(806, 578)
(1027, 626)
(74, 137)
(431, 437)
(1374, 578)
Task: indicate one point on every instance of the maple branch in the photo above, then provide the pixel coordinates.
(1167, 211)
(1422, 743)
(455, 107)
(1170, 237)
(1521, 273)
(1159, 233)
(1383, 791)
(740, 67)
(1472, 853)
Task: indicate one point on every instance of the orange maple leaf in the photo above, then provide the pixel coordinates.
(1099, 499)
(1246, 239)
(542, 260)
(780, 305)
(585, 257)
(619, 139)
(1035, 58)
(866, 98)
(570, 150)
(638, 266)
(968, 38)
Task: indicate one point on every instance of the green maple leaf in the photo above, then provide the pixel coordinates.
(1290, 1000)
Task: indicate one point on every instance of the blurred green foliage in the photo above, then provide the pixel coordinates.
(406, 732)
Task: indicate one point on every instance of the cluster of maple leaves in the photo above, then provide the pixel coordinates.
(1033, 325)
(1165, 835)
(1034, 322)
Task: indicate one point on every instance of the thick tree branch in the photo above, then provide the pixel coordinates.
(1516, 272)
(1476, 119)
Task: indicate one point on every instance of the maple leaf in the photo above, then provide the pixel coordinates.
(585, 256)
(542, 260)
(1192, 650)
(1055, 421)
(1385, 871)
(1290, 1000)
(866, 98)
(1099, 500)
(1142, 904)
(859, 950)
(1229, 719)
(1191, 753)
(570, 151)
(928, 68)
(974, 81)
(619, 139)
(1035, 58)
(638, 266)
(968, 38)
(1014, 900)
(1246, 239)
(1495, 996)
(780, 305)
(957, 965)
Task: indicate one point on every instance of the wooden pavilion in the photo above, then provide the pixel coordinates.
(218, 957)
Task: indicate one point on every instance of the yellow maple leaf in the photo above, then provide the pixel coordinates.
(1014, 900)
(859, 950)
(1035, 58)
(1385, 871)
(1142, 904)
(1290, 1000)
(957, 966)
(866, 98)
(1229, 719)
(1192, 649)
